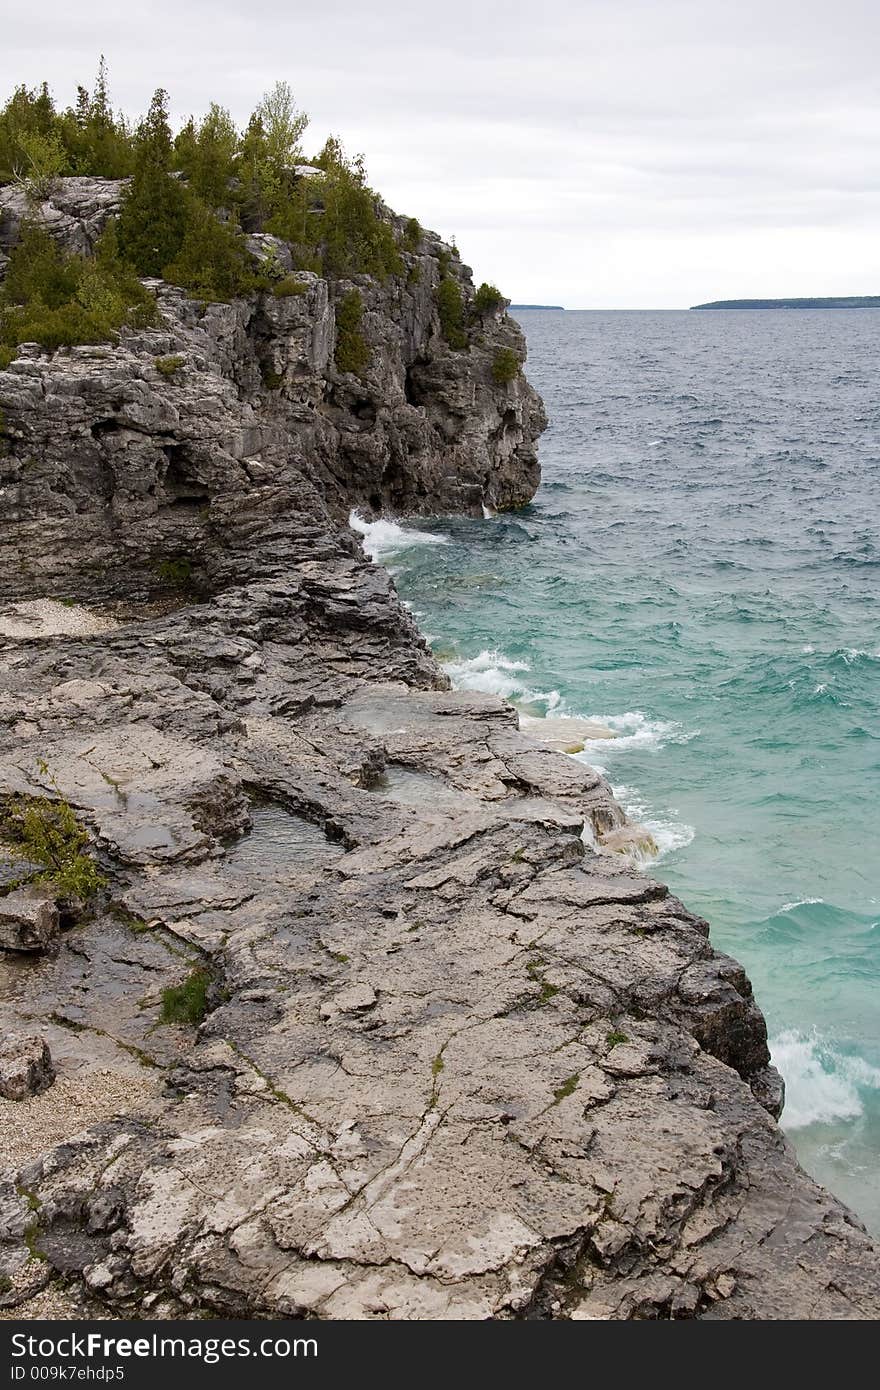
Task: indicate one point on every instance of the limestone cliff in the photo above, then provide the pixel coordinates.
(113, 464)
(453, 1063)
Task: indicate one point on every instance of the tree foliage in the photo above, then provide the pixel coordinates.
(205, 152)
(212, 262)
(38, 143)
(44, 831)
(488, 299)
(450, 308)
(352, 351)
(59, 299)
(152, 219)
(505, 366)
(189, 200)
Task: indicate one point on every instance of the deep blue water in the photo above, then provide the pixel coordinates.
(701, 568)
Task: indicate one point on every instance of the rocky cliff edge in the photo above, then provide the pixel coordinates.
(451, 1061)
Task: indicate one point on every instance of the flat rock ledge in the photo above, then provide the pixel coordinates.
(454, 1063)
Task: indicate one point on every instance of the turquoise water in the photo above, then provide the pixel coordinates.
(701, 569)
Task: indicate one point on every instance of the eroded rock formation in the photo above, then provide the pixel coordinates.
(452, 1062)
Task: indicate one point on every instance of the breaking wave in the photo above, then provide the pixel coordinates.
(382, 538)
(822, 1085)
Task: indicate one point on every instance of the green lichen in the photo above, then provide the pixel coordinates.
(568, 1086)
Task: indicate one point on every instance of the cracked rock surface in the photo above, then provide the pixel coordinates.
(453, 1063)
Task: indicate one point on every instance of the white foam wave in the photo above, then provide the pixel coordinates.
(495, 674)
(821, 1085)
(635, 730)
(381, 538)
(849, 655)
(801, 902)
(668, 831)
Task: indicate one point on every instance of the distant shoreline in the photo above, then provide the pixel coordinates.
(834, 302)
(558, 307)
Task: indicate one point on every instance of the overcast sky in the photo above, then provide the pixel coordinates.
(591, 153)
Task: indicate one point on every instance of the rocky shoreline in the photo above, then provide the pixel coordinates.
(453, 1062)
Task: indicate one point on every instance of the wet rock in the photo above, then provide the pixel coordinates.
(26, 1066)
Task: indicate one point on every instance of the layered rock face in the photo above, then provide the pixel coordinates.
(185, 441)
(452, 1062)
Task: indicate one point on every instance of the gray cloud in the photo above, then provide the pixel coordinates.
(597, 153)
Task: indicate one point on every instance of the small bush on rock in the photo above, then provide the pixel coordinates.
(175, 573)
(352, 350)
(505, 366)
(45, 831)
(187, 1002)
(167, 366)
(450, 307)
(60, 300)
(488, 299)
(289, 286)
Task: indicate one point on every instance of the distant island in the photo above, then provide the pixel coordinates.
(864, 301)
(558, 307)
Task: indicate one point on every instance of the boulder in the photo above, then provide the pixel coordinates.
(26, 1066)
(28, 921)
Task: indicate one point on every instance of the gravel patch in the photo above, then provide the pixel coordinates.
(30, 1127)
(44, 617)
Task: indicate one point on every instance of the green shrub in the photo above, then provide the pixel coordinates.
(212, 263)
(187, 1002)
(352, 352)
(505, 366)
(272, 380)
(7, 355)
(338, 217)
(43, 159)
(283, 289)
(167, 366)
(175, 573)
(60, 300)
(412, 234)
(45, 831)
(450, 307)
(488, 299)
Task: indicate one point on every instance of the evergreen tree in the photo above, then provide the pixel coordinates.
(206, 153)
(153, 215)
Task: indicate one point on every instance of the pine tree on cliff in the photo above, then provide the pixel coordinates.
(153, 215)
